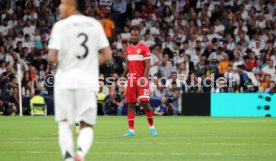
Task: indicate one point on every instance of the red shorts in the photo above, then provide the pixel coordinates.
(136, 93)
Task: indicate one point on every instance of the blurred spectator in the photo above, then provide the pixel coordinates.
(174, 95)
(36, 99)
(172, 79)
(270, 69)
(108, 26)
(113, 103)
(271, 88)
(224, 63)
(165, 108)
(221, 87)
(27, 85)
(5, 109)
(154, 61)
(165, 68)
(160, 90)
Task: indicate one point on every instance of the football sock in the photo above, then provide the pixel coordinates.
(149, 115)
(66, 140)
(85, 141)
(131, 117)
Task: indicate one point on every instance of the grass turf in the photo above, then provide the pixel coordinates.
(180, 139)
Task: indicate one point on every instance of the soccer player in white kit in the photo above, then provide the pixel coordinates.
(78, 46)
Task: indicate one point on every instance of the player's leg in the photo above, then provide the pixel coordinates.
(85, 140)
(149, 114)
(131, 99)
(64, 116)
(131, 119)
(86, 115)
(143, 96)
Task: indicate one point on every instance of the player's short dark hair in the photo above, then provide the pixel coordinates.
(81, 5)
(135, 29)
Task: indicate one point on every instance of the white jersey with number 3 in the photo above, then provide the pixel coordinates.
(78, 39)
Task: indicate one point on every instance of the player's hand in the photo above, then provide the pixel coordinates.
(142, 82)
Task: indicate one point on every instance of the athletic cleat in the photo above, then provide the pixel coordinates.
(77, 158)
(153, 132)
(129, 133)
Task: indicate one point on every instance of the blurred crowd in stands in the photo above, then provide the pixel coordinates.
(194, 43)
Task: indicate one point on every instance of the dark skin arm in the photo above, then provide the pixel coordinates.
(126, 70)
(53, 56)
(146, 72)
(105, 55)
(147, 64)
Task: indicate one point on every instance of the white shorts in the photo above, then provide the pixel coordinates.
(75, 105)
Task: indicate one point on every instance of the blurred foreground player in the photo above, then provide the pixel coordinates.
(137, 68)
(74, 45)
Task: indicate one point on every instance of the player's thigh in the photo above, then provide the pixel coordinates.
(143, 93)
(86, 106)
(131, 92)
(64, 105)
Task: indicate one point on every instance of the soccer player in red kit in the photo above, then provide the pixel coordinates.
(137, 68)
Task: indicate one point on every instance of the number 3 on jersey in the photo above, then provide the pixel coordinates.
(83, 44)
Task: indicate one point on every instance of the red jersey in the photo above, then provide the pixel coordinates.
(136, 56)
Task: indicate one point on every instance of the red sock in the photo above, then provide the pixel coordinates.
(150, 118)
(131, 117)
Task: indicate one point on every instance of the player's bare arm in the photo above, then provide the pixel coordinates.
(146, 72)
(53, 56)
(105, 55)
(126, 70)
(147, 64)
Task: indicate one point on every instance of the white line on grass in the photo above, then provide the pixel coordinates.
(25, 138)
(186, 143)
(177, 137)
(236, 121)
(146, 143)
(141, 153)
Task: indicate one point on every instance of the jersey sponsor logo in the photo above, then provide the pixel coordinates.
(135, 58)
(138, 51)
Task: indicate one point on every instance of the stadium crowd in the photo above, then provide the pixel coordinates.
(193, 44)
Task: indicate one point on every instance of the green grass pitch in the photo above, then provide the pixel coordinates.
(180, 139)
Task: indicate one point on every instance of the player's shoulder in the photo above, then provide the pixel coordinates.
(143, 45)
(129, 46)
(78, 18)
(58, 24)
(94, 21)
(91, 19)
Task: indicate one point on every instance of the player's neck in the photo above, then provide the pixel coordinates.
(136, 43)
(75, 13)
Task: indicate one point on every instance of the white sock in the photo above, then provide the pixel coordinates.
(85, 141)
(71, 159)
(66, 140)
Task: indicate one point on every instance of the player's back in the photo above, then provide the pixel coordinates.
(78, 55)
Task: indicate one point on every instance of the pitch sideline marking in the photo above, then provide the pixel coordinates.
(138, 153)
